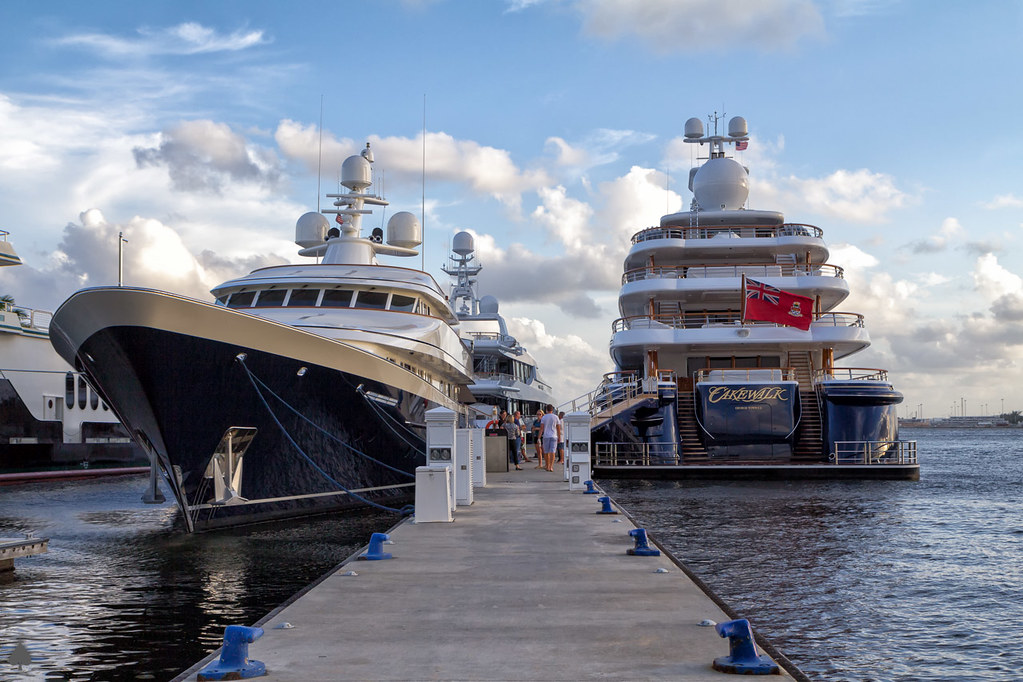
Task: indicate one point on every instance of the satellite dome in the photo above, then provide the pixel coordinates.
(721, 184)
(356, 173)
(462, 244)
(403, 230)
(694, 128)
(737, 127)
(488, 304)
(311, 229)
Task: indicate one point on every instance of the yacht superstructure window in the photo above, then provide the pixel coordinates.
(405, 304)
(271, 298)
(222, 300)
(336, 298)
(303, 297)
(372, 299)
(69, 390)
(82, 390)
(241, 299)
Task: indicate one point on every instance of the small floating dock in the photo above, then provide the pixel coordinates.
(13, 548)
(527, 583)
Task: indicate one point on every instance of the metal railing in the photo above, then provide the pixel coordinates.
(30, 318)
(874, 452)
(636, 454)
(725, 231)
(849, 374)
(617, 387)
(694, 320)
(747, 374)
(751, 269)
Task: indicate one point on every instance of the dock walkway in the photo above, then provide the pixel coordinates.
(528, 583)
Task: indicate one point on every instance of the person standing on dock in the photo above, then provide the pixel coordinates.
(550, 435)
(537, 445)
(514, 438)
(522, 436)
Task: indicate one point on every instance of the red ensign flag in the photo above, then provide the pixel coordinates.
(765, 303)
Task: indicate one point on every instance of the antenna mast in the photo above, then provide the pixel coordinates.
(423, 205)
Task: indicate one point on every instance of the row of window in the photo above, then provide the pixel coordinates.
(325, 298)
(489, 364)
(85, 395)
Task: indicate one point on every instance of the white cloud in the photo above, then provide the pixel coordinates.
(860, 196)
(993, 279)
(691, 25)
(570, 364)
(1004, 201)
(204, 156)
(184, 39)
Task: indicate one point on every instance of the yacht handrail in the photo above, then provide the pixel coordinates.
(698, 320)
(850, 374)
(743, 231)
(30, 317)
(4, 234)
(874, 452)
(729, 270)
(746, 374)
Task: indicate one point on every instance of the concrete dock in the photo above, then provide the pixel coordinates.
(528, 583)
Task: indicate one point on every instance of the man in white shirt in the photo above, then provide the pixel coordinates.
(550, 436)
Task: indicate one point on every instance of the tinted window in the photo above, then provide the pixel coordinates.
(403, 303)
(81, 393)
(371, 299)
(241, 300)
(304, 297)
(271, 298)
(69, 390)
(336, 298)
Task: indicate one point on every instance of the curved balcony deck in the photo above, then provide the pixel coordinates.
(720, 286)
(683, 245)
(717, 333)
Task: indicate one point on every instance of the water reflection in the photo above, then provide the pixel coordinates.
(123, 595)
(865, 580)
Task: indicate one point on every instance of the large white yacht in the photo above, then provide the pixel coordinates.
(52, 422)
(505, 373)
(302, 388)
(702, 387)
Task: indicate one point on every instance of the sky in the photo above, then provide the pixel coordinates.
(553, 132)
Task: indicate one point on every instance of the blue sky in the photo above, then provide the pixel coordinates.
(553, 133)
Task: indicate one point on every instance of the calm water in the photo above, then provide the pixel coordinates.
(867, 580)
(852, 580)
(124, 595)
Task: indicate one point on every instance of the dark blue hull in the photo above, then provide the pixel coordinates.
(179, 394)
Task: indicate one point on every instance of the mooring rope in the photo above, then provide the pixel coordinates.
(322, 430)
(253, 380)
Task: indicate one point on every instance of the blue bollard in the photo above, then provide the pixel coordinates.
(234, 663)
(591, 488)
(376, 548)
(743, 658)
(606, 508)
(642, 547)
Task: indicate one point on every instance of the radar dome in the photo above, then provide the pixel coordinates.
(462, 244)
(721, 184)
(356, 173)
(488, 304)
(403, 230)
(737, 127)
(694, 128)
(311, 229)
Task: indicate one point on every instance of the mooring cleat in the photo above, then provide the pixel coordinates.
(743, 658)
(234, 663)
(376, 548)
(606, 507)
(591, 488)
(642, 547)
